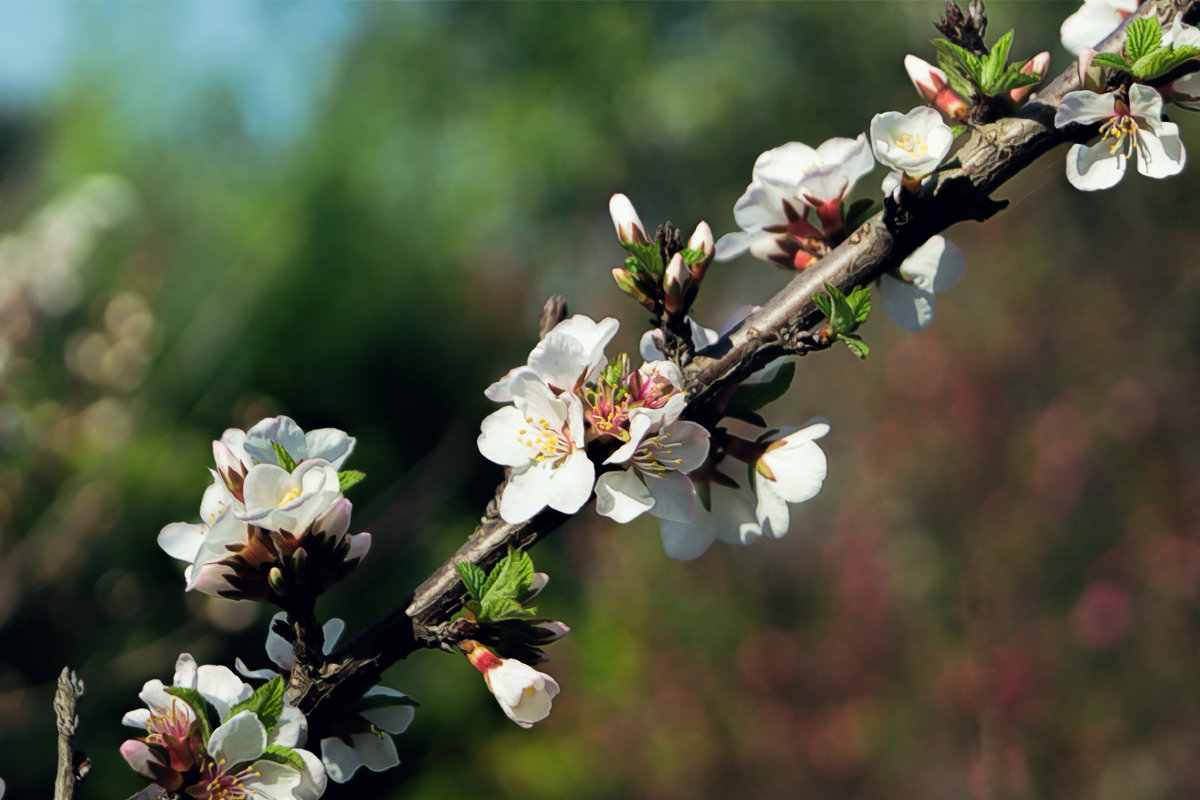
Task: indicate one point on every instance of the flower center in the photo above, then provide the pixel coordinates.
(292, 494)
(219, 785)
(173, 721)
(544, 440)
(911, 145)
(1122, 128)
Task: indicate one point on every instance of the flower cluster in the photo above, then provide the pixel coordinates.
(211, 737)
(274, 521)
(359, 734)
(570, 400)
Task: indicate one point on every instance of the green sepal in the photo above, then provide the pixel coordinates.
(285, 459)
(954, 163)
(644, 258)
(751, 397)
(1163, 61)
(1142, 37)
(859, 212)
(855, 343)
(283, 755)
(349, 477)
(1113, 60)
(206, 716)
(266, 703)
(473, 578)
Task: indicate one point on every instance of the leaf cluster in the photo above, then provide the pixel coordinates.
(1144, 56)
(846, 314)
(498, 595)
(988, 75)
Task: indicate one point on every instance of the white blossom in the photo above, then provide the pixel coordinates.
(914, 144)
(541, 437)
(731, 518)
(330, 444)
(571, 354)
(656, 478)
(791, 470)
(1136, 128)
(906, 294)
(524, 694)
(279, 500)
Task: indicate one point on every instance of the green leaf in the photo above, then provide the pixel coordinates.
(1010, 80)
(283, 755)
(510, 578)
(497, 608)
(843, 317)
(753, 396)
(1112, 60)
(824, 303)
(957, 130)
(859, 212)
(473, 578)
(860, 303)
(349, 477)
(994, 63)
(967, 62)
(646, 258)
(1162, 61)
(855, 343)
(266, 703)
(1142, 37)
(206, 716)
(285, 459)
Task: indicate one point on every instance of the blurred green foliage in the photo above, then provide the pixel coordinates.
(353, 220)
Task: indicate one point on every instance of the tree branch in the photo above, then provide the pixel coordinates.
(70, 689)
(991, 155)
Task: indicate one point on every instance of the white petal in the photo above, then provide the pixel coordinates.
(1161, 156)
(571, 483)
(762, 205)
(393, 719)
(330, 444)
(332, 631)
(185, 672)
(340, 759)
(1092, 23)
(377, 753)
(934, 266)
(239, 739)
(272, 781)
(313, 780)
(732, 245)
(799, 470)
(278, 649)
(1095, 167)
(181, 540)
(639, 426)
(621, 496)
(772, 510)
(785, 165)
(221, 686)
(1145, 103)
(292, 728)
(500, 438)
(906, 305)
(674, 497)
(1085, 108)
(138, 718)
(685, 540)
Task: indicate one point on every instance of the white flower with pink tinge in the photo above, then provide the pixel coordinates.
(524, 694)
(541, 437)
(567, 357)
(792, 469)
(1136, 128)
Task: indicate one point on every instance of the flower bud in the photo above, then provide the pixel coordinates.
(1038, 64)
(702, 240)
(630, 229)
(524, 694)
(676, 281)
(628, 283)
(931, 84)
(1088, 79)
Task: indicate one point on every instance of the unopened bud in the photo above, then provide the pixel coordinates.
(553, 312)
(628, 224)
(932, 86)
(1036, 65)
(628, 283)
(230, 468)
(277, 582)
(676, 282)
(1087, 80)
(702, 240)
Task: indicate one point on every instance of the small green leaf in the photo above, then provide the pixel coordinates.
(855, 343)
(1010, 80)
(646, 258)
(510, 578)
(1112, 60)
(968, 62)
(206, 716)
(349, 477)
(824, 303)
(1142, 37)
(285, 459)
(1162, 61)
(842, 318)
(266, 703)
(993, 64)
(283, 755)
(957, 130)
(473, 578)
(860, 303)
(499, 608)
(753, 396)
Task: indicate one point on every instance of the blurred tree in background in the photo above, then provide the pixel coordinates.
(350, 213)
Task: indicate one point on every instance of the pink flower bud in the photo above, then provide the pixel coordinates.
(702, 240)
(932, 85)
(1038, 64)
(1083, 66)
(676, 282)
(630, 229)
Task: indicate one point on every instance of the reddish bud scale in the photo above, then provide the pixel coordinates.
(480, 657)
